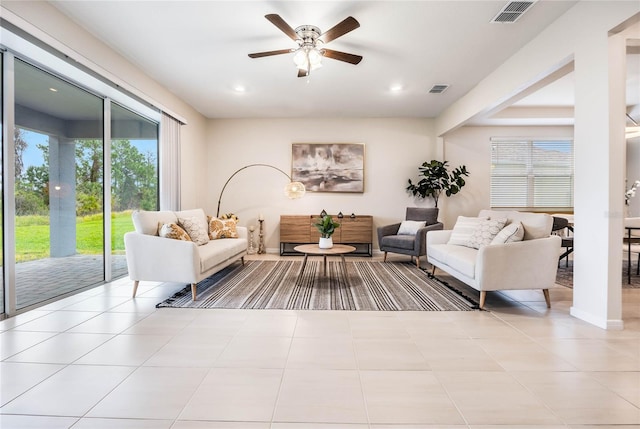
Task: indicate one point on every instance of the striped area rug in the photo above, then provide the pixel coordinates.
(371, 285)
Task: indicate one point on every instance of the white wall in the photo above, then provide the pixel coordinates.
(471, 146)
(49, 20)
(394, 148)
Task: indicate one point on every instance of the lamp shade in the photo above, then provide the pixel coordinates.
(294, 190)
(307, 58)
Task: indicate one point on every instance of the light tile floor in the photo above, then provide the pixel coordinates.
(100, 359)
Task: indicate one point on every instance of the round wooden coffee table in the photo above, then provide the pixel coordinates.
(315, 250)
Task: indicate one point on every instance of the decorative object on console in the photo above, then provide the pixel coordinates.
(437, 179)
(327, 227)
(340, 215)
(292, 190)
(328, 167)
(323, 213)
(309, 53)
(353, 216)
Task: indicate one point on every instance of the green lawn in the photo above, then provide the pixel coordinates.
(32, 235)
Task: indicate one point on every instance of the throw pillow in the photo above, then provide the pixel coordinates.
(410, 227)
(173, 231)
(222, 228)
(196, 228)
(463, 229)
(510, 233)
(484, 232)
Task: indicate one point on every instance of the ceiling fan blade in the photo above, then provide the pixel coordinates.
(282, 25)
(348, 24)
(269, 53)
(303, 73)
(342, 56)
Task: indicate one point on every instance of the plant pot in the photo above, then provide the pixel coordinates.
(325, 243)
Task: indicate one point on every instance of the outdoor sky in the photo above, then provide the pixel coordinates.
(33, 155)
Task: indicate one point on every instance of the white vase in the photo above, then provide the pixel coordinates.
(325, 243)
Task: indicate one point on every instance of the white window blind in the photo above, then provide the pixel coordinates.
(532, 174)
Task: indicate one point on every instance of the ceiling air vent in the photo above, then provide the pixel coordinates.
(512, 11)
(438, 89)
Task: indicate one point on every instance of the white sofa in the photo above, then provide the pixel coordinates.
(528, 264)
(154, 258)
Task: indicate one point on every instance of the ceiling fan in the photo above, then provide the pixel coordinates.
(308, 55)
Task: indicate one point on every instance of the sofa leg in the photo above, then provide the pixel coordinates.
(242, 259)
(135, 287)
(483, 297)
(194, 289)
(385, 257)
(418, 261)
(547, 297)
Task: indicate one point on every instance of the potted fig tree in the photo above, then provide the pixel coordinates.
(437, 179)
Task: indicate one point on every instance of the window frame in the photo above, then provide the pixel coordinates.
(530, 175)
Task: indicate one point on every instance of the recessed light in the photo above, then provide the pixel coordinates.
(239, 88)
(396, 88)
(53, 90)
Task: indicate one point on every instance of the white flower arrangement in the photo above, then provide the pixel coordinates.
(631, 192)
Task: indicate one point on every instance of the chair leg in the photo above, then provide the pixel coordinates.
(433, 270)
(547, 297)
(242, 259)
(135, 287)
(483, 297)
(194, 290)
(385, 257)
(418, 261)
(638, 266)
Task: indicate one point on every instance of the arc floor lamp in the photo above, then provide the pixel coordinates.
(293, 190)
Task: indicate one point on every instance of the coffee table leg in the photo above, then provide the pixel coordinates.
(304, 264)
(344, 268)
(325, 265)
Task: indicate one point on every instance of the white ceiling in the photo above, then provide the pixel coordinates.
(198, 50)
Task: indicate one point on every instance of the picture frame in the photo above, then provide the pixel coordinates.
(328, 167)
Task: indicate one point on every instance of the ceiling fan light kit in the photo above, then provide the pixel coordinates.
(308, 55)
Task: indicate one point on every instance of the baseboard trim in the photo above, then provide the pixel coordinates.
(608, 324)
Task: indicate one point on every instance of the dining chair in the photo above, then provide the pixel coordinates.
(562, 228)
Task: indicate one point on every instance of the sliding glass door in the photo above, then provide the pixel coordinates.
(59, 229)
(78, 155)
(134, 176)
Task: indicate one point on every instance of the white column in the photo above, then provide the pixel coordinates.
(600, 75)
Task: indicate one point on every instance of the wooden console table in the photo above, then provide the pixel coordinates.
(298, 229)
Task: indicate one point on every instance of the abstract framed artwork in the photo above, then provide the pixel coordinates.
(328, 167)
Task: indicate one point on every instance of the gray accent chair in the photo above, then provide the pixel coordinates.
(389, 241)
